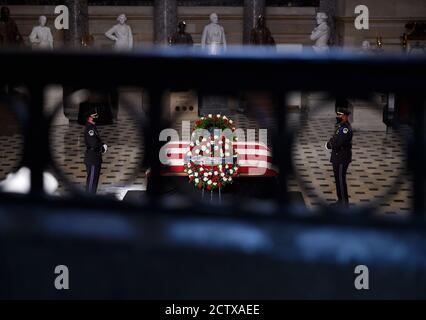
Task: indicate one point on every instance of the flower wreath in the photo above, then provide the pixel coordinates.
(205, 171)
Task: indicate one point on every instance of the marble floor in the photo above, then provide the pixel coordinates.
(376, 176)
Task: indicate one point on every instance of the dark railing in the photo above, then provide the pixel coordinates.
(340, 74)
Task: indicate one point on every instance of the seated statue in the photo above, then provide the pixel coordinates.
(321, 34)
(121, 33)
(260, 35)
(40, 36)
(213, 39)
(181, 37)
(9, 33)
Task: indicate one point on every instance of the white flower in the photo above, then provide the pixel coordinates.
(218, 115)
(222, 174)
(210, 115)
(206, 174)
(236, 169)
(236, 138)
(231, 171)
(203, 148)
(220, 167)
(197, 151)
(197, 180)
(225, 179)
(214, 183)
(205, 179)
(201, 169)
(215, 173)
(196, 174)
(230, 179)
(192, 144)
(189, 171)
(230, 121)
(209, 182)
(224, 118)
(202, 118)
(210, 173)
(226, 166)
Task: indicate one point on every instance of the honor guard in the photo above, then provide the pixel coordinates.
(94, 150)
(340, 145)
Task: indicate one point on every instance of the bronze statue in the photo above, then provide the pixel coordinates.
(9, 33)
(181, 37)
(87, 41)
(260, 35)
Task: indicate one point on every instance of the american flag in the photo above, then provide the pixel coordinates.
(254, 158)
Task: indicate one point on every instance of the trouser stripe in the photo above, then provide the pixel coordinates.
(92, 177)
(342, 191)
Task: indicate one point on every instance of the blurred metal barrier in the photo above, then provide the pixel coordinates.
(156, 250)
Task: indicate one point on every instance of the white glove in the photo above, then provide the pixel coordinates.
(325, 146)
(105, 148)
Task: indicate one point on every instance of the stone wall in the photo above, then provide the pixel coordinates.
(387, 19)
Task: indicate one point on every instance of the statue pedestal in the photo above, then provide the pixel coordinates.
(133, 99)
(214, 104)
(53, 96)
(367, 116)
(182, 105)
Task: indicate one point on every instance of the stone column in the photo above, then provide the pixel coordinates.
(252, 9)
(78, 27)
(165, 20)
(79, 22)
(329, 7)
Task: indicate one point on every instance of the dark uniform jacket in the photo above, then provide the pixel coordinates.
(341, 144)
(93, 145)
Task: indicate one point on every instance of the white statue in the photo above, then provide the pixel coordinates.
(40, 36)
(121, 33)
(213, 38)
(321, 34)
(366, 47)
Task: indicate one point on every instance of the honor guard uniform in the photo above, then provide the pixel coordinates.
(94, 150)
(340, 145)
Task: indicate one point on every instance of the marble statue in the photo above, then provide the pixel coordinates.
(9, 33)
(213, 39)
(40, 36)
(365, 47)
(181, 37)
(260, 35)
(321, 34)
(121, 33)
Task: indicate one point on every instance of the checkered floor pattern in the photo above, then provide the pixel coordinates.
(378, 165)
